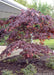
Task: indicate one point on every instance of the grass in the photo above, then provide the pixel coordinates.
(49, 43)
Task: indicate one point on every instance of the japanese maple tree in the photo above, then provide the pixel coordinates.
(29, 24)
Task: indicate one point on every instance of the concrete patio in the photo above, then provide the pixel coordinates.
(14, 53)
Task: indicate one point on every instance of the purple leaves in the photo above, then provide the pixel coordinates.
(34, 22)
(28, 49)
(22, 26)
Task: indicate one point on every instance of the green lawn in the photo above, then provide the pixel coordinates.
(50, 43)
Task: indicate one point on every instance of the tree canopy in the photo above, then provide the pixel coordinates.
(20, 29)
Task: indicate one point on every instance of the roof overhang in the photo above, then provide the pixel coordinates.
(13, 4)
(9, 8)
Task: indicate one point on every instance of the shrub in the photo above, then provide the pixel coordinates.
(29, 70)
(7, 72)
(50, 62)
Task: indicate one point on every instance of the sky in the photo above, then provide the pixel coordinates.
(50, 2)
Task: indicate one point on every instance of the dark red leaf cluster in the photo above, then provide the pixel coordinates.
(28, 49)
(2, 32)
(3, 24)
(8, 21)
(31, 21)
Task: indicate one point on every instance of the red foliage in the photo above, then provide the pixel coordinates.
(22, 26)
(28, 49)
(31, 21)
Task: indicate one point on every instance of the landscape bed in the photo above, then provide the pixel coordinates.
(12, 65)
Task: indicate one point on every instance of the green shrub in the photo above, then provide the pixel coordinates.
(29, 70)
(7, 72)
(50, 62)
(12, 60)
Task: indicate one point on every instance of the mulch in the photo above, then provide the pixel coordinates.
(21, 63)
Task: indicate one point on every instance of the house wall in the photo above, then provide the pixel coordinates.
(6, 10)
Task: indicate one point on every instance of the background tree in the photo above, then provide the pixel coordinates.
(23, 2)
(33, 4)
(42, 7)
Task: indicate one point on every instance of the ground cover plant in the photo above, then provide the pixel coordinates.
(19, 64)
(29, 70)
(7, 72)
(50, 62)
